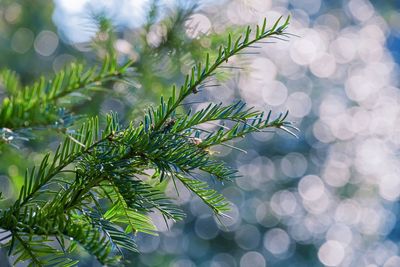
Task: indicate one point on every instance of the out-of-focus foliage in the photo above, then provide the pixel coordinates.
(28, 40)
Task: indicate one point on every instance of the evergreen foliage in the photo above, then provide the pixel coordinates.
(98, 187)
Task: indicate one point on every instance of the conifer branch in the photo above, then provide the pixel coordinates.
(36, 105)
(60, 198)
(199, 74)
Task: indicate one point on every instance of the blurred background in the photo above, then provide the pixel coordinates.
(328, 198)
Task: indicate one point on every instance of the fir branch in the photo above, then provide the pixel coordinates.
(199, 74)
(85, 139)
(36, 105)
(143, 197)
(242, 128)
(215, 112)
(61, 197)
